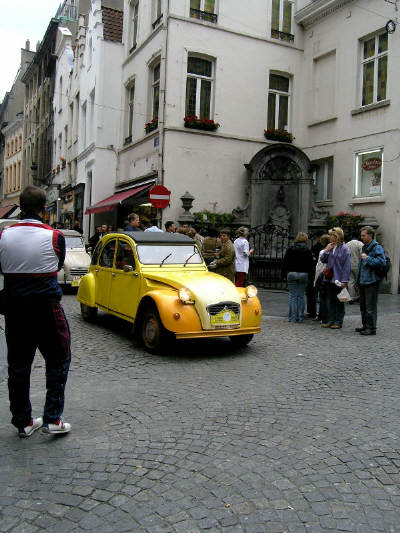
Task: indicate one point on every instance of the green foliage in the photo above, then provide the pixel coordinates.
(349, 222)
(207, 218)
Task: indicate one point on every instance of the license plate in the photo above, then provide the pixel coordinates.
(224, 318)
(75, 282)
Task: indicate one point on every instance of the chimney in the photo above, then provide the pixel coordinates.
(28, 45)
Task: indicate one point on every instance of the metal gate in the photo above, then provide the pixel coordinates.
(270, 244)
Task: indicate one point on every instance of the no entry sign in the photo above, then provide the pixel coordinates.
(159, 196)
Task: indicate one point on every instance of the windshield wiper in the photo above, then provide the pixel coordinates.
(190, 257)
(165, 258)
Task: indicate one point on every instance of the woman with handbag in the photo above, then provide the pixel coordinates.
(320, 286)
(337, 260)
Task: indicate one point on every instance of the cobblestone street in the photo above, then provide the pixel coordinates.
(298, 432)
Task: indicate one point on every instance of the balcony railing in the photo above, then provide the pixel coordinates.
(203, 15)
(282, 35)
(66, 11)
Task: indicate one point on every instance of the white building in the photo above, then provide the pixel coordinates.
(325, 71)
(86, 111)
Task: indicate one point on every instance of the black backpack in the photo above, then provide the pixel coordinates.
(382, 271)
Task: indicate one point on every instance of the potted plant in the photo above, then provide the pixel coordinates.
(63, 162)
(58, 169)
(152, 125)
(279, 135)
(197, 123)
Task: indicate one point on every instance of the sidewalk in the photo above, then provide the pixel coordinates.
(275, 304)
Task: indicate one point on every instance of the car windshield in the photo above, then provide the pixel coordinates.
(168, 255)
(74, 242)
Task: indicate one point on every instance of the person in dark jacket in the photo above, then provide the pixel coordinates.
(297, 267)
(372, 257)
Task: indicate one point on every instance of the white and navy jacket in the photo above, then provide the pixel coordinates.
(31, 254)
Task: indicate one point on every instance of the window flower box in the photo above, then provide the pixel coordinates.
(197, 123)
(279, 135)
(58, 169)
(151, 126)
(63, 162)
(53, 171)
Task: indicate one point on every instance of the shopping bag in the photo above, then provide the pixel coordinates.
(344, 295)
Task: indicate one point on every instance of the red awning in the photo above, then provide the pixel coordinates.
(6, 210)
(110, 203)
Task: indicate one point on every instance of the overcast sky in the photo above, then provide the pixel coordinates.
(21, 20)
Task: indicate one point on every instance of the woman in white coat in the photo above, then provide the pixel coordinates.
(243, 252)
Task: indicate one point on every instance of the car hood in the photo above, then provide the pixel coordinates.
(207, 288)
(77, 259)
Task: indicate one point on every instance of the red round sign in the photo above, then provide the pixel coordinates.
(159, 196)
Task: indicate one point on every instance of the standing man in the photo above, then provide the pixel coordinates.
(225, 265)
(31, 254)
(133, 223)
(372, 259)
(170, 226)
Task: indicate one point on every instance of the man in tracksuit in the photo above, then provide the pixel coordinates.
(31, 254)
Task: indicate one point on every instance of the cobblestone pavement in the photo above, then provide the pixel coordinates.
(298, 432)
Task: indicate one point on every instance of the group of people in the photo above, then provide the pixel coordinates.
(328, 268)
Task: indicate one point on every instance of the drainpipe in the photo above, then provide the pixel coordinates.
(163, 90)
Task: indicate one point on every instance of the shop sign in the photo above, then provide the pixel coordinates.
(372, 164)
(52, 195)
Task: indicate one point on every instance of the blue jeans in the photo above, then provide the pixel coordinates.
(297, 283)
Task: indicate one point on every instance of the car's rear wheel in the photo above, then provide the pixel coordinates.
(239, 341)
(154, 335)
(88, 313)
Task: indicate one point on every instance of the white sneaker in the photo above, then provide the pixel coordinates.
(57, 428)
(34, 424)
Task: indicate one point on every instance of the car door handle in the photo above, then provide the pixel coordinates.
(135, 274)
(113, 274)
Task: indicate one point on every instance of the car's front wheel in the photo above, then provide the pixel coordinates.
(88, 313)
(239, 341)
(154, 335)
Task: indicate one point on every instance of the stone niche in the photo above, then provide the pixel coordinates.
(281, 188)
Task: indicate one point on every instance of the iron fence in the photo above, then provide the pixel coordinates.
(269, 243)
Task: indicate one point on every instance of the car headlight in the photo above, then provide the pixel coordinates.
(185, 295)
(251, 291)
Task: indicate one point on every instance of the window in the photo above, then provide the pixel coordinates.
(374, 69)
(60, 90)
(368, 173)
(131, 100)
(90, 52)
(83, 125)
(107, 255)
(278, 102)
(323, 179)
(199, 83)
(155, 91)
(281, 20)
(124, 256)
(203, 9)
(157, 13)
(135, 21)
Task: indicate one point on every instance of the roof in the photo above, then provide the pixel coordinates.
(70, 233)
(157, 237)
(113, 24)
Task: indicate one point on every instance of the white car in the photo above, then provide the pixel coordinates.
(77, 260)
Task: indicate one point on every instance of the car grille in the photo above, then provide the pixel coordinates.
(214, 309)
(78, 271)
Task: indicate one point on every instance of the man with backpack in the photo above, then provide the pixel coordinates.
(373, 266)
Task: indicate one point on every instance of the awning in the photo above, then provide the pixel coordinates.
(7, 210)
(110, 203)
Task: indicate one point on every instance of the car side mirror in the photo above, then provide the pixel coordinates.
(89, 249)
(128, 268)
